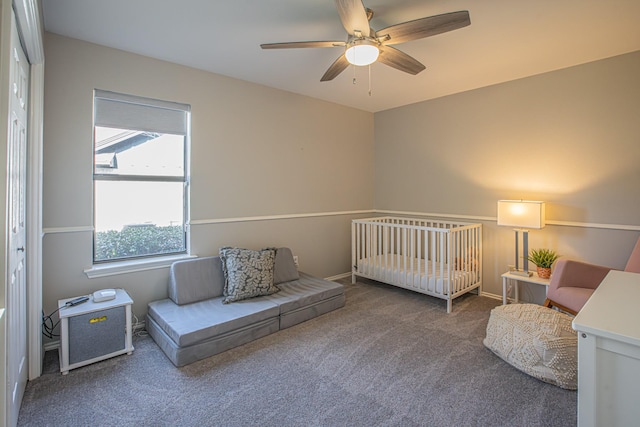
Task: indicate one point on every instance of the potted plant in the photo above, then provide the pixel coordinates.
(543, 259)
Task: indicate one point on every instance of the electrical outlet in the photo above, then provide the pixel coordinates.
(295, 260)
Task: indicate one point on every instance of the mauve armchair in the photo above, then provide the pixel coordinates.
(573, 282)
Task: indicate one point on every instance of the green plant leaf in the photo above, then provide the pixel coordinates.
(543, 258)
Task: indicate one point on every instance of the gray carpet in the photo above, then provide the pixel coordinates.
(390, 357)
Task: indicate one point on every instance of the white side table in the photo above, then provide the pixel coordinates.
(94, 331)
(509, 277)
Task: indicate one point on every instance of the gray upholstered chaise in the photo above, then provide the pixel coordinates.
(193, 323)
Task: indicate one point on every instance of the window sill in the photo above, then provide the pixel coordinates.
(124, 267)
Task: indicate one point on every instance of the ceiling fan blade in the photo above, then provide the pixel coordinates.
(353, 16)
(336, 68)
(293, 45)
(424, 27)
(399, 60)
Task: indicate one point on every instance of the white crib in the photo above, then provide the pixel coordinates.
(436, 258)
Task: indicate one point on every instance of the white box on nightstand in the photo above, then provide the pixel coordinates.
(94, 331)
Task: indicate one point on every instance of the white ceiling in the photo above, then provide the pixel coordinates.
(507, 40)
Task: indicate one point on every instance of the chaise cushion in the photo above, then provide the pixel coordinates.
(284, 269)
(195, 280)
(537, 340)
(192, 323)
(188, 329)
(306, 291)
(248, 273)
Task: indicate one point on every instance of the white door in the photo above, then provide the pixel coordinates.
(16, 304)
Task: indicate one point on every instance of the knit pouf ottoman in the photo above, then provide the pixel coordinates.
(537, 340)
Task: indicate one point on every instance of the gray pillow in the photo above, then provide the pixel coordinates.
(247, 273)
(285, 269)
(196, 279)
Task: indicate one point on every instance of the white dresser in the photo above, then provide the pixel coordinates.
(608, 329)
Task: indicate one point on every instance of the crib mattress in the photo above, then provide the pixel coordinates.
(416, 274)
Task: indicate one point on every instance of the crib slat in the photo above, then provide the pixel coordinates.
(419, 258)
(354, 256)
(412, 256)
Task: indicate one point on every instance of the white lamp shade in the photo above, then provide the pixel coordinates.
(521, 213)
(362, 54)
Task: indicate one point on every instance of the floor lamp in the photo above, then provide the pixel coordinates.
(522, 215)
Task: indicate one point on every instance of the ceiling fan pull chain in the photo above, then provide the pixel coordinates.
(354, 74)
(369, 79)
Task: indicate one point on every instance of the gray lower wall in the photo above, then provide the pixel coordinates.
(255, 152)
(569, 137)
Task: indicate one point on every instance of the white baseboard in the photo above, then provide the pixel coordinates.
(338, 277)
(52, 345)
(490, 295)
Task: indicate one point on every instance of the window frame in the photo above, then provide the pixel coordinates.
(180, 127)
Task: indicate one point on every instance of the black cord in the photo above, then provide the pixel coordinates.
(48, 326)
(47, 322)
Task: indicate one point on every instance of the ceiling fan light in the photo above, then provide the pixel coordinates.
(362, 54)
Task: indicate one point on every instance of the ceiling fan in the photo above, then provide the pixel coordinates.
(364, 45)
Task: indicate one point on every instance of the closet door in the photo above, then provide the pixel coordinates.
(16, 304)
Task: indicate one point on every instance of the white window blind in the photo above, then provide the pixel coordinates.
(118, 110)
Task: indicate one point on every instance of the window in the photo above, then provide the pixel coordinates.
(140, 177)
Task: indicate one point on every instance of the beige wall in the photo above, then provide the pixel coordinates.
(569, 137)
(256, 151)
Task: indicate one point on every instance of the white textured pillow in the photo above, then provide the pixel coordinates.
(247, 273)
